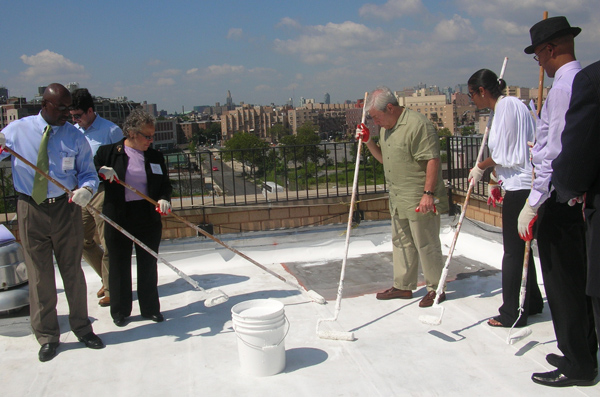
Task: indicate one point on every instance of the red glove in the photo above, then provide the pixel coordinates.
(434, 209)
(362, 132)
(494, 191)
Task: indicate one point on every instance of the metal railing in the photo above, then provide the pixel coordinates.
(462, 154)
(222, 177)
(219, 177)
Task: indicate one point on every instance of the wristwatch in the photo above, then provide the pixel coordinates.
(428, 192)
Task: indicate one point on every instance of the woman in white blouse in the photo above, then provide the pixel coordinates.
(511, 127)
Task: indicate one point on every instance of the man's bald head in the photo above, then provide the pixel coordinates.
(56, 103)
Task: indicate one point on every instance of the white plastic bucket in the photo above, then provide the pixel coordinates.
(260, 329)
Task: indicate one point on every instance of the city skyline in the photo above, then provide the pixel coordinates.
(192, 53)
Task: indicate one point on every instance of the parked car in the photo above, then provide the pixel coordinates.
(215, 168)
(14, 287)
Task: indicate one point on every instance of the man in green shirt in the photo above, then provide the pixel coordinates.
(410, 152)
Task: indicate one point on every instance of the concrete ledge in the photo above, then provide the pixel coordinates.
(293, 214)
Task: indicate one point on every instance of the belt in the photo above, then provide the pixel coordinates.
(50, 200)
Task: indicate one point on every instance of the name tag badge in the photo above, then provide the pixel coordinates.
(156, 169)
(68, 163)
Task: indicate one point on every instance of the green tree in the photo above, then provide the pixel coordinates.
(307, 135)
(467, 131)
(443, 133)
(237, 148)
(277, 132)
(210, 135)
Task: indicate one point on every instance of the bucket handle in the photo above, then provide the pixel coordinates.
(265, 347)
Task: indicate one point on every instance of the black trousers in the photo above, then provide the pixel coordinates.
(561, 243)
(512, 266)
(142, 222)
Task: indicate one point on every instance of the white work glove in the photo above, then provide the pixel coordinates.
(108, 174)
(2, 142)
(575, 200)
(527, 219)
(164, 207)
(494, 191)
(81, 197)
(476, 174)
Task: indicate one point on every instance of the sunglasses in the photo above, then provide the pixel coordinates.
(147, 137)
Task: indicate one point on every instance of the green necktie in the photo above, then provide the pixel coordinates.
(40, 184)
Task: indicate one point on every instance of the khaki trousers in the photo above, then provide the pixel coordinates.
(415, 241)
(93, 237)
(44, 229)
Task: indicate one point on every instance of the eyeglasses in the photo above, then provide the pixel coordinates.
(147, 137)
(471, 94)
(60, 108)
(77, 116)
(536, 57)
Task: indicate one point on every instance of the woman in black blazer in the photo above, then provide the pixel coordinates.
(133, 160)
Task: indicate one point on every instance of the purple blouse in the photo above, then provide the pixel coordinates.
(135, 174)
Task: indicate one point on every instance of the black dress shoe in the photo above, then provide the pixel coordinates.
(120, 321)
(557, 379)
(157, 318)
(91, 340)
(47, 351)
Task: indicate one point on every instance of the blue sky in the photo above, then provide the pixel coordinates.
(185, 53)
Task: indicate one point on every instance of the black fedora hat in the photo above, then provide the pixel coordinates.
(549, 29)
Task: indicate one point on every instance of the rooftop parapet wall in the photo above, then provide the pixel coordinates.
(289, 215)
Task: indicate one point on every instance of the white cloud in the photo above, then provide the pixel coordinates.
(503, 8)
(507, 28)
(167, 72)
(262, 71)
(235, 34)
(192, 71)
(392, 9)
(47, 66)
(455, 29)
(327, 43)
(288, 22)
(262, 87)
(225, 69)
(165, 82)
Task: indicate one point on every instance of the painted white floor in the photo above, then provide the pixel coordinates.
(194, 352)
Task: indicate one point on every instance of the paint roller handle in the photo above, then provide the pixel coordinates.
(503, 68)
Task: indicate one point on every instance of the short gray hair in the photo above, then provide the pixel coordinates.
(379, 98)
(137, 119)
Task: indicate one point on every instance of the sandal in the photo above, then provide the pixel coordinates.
(493, 322)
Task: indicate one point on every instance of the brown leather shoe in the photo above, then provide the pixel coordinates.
(100, 292)
(394, 293)
(104, 302)
(428, 299)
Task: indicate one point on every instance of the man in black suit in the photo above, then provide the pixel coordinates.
(560, 228)
(577, 168)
